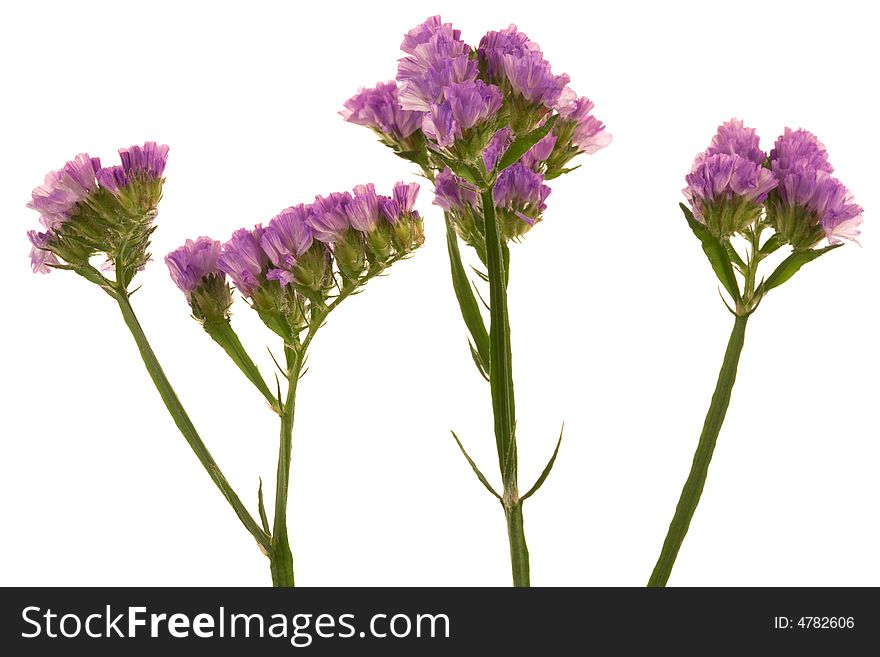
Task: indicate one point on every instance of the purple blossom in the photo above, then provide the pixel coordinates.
(243, 259)
(540, 152)
(401, 202)
(379, 108)
(799, 149)
(192, 262)
(589, 135)
(143, 162)
(287, 237)
(61, 190)
(496, 147)
(436, 58)
(519, 188)
(726, 176)
(826, 199)
(509, 41)
(734, 138)
(328, 218)
(363, 210)
(465, 105)
(41, 257)
(453, 193)
(529, 75)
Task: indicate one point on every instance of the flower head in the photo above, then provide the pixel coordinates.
(379, 108)
(192, 262)
(328, 218)
(41, 257)
(287, 237)
(465, 105)
(61, 191)
(363, 209)
(495, 45)
(810, 203)
(243, 259)
(726, 191)
(139, 164)
(452, 193)
(734, 138)
(799, 149)
(521, 190)
(436, 57)
(497, 146)
(530, 76)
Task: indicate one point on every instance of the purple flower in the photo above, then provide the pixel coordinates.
(529, 75)
(509, 41)
(41, 257)
(379, 109)
(826, 199)
(734, 138)
(540, 152)
(401, 202)
(243, 260)
(328, 218)
(589, 134)
(287, 237)
(496, 147)
(422, 33)
(138, 162)
(436, 58)
(521, 190)
(453, 193)
(363, 210)
(192, 262)
(61, 190)
(465, 105)
(799, 149)
(725, 176)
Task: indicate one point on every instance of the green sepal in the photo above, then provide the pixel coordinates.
(521, 145)
(717, 254)
(460, 169)
(547, 468)
(775, 242)
(790, 266)
(550, 175)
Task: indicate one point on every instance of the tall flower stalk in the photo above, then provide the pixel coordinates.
(737, 194)
(294, 273)
(488, 126)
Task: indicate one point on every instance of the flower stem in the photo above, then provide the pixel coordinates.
(181, 419)
(501, 384)
(693, 487)
(280, 555)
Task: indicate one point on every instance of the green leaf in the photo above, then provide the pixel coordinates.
(416, 157)
(547, 468)
(263, 519)
(223, 334)
(772, 244)
(521, 145)
(470, 309)
(476, 470)
(483, 369)
(718, 256)
(459, 168)
(790, 266)
(555, 174)
(735, 257)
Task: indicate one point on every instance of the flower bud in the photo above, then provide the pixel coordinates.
(193, 268)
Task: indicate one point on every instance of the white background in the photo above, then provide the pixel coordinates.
(617, 325)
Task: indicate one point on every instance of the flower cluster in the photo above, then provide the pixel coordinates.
(89, 210)
(734, 182)
(809, 203)
(468, 105)
(291, 268)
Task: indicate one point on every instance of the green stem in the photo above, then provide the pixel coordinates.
(693, 487)
(181, 419)
(280, 555)
(519, 551)
(501, 384)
